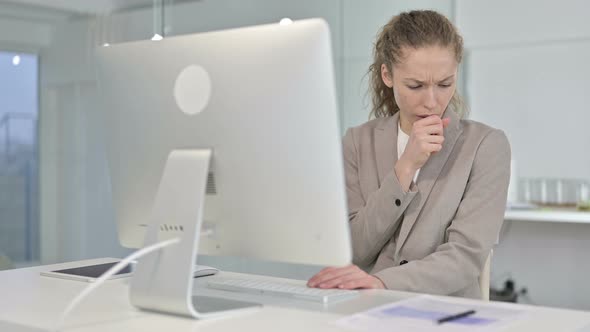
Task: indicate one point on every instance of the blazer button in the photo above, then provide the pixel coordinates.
(398, 202)
(403, 262)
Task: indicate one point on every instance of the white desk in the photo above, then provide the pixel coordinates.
(30, 302)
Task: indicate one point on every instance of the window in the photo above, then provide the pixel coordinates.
(19, 107)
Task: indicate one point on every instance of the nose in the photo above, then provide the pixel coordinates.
(430, 99)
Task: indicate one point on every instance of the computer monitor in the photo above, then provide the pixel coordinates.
(263, 100)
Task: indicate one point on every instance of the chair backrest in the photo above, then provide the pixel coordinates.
(484, 279)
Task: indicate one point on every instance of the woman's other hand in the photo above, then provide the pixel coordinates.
(426, 138)
(348, 277)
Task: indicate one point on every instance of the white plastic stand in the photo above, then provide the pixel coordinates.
(163, 281)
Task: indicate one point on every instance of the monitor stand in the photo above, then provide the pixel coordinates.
(163, 281)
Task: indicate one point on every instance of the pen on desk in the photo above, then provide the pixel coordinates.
(455, 316)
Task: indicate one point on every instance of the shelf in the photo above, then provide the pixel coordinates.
(553, 216)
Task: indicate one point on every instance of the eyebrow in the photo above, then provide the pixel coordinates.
(421, 82)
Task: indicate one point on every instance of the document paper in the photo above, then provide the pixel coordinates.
(421, 314)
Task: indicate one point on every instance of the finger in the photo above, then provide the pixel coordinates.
(325, 271)
(333, 280)
(435, 139)
(430, 144)
(429, 120)
(314, 279)
(434, 129)
(330, 273)
(338, 273)
(445, 122)
(333, 283)
(431, 127)
(434, 148)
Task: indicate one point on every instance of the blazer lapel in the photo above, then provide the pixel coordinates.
(427, 178)
(386, 146)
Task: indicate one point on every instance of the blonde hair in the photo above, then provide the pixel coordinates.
(415, 29)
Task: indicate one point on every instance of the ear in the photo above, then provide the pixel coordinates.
(386, 76)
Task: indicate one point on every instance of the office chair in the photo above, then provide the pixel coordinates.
(484, 278)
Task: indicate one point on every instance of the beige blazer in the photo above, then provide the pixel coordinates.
(435, 238)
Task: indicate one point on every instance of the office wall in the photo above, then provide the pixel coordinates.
(30, 34)
(528, 75)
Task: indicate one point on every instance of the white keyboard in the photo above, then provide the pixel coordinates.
(272, 288)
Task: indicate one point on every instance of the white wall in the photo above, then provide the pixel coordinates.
(539, 96)
(29, 33)
(528, 76)
(527, 73)
(505, 22)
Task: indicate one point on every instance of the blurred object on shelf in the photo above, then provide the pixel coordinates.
(584, 196)
(512, 197)
(555, 192)
(521, 206)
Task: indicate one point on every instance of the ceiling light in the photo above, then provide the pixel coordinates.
(285, 21)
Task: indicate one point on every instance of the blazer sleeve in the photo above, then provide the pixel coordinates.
(457, 263)
(373, 219)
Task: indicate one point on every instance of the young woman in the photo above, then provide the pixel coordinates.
(426, 189)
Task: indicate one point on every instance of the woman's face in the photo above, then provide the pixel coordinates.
(423, 82)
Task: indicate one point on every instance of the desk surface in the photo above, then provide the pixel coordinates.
(31, 302)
